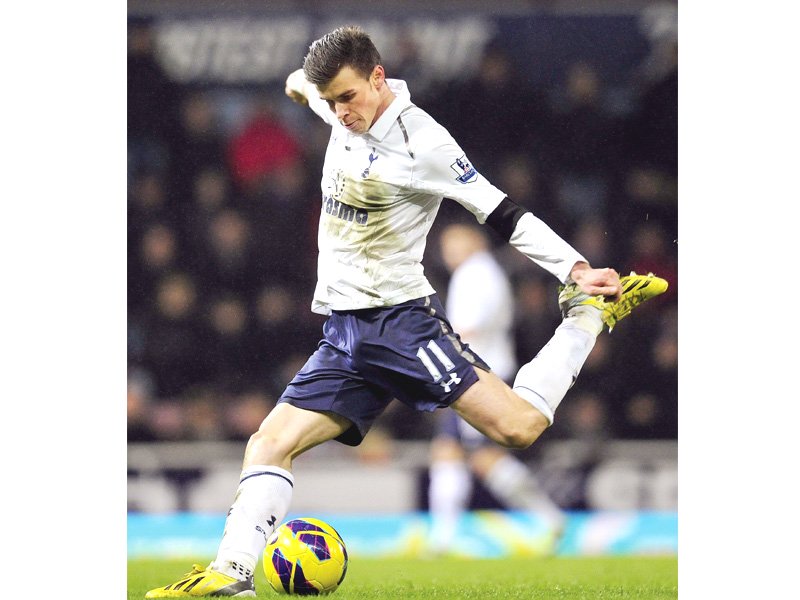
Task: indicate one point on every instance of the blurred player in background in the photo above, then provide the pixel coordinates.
(480, 306)
(387, 169)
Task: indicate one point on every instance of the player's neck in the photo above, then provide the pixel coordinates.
(387, 97)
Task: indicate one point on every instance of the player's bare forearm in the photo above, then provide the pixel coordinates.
(597, 282)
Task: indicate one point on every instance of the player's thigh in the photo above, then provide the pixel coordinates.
(495, 410)
(288, 431)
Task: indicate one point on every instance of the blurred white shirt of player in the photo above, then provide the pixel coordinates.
(480, 302)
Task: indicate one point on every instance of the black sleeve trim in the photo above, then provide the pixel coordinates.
(504, 218)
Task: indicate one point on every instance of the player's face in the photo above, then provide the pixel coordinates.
(357, 102)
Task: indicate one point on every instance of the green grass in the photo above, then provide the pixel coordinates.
(631, 578)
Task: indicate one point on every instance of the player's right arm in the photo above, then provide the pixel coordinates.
(305, 93)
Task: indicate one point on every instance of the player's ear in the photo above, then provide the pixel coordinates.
(378, 76)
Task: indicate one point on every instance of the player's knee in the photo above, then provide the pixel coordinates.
(267, 447)
(521, 431)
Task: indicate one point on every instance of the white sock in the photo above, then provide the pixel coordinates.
(261, 502)
(448, 494)
(514, 484)
(545, 380)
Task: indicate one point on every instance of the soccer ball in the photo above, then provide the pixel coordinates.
(306, 557)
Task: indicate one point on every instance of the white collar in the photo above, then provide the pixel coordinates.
(401, 101)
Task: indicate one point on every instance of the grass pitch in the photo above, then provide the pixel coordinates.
(607, 578)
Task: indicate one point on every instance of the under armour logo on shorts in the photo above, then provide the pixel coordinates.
(453, 379)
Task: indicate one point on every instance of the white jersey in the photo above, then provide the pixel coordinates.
(480, 306)
(380, 194)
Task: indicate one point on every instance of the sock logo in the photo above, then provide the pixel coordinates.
(264, 533)
(271, 521)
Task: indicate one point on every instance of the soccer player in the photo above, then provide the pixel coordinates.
(387, 168)
(480, 306)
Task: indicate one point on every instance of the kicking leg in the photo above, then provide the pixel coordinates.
(546, 379)
(516, 418)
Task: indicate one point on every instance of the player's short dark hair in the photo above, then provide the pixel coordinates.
(347, 46)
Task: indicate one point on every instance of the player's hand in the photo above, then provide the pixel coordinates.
(597, 282)
(295, 84)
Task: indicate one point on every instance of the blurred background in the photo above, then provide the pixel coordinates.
(568, 107)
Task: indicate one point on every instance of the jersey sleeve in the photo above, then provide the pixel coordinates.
(536, 240)
(442, 168)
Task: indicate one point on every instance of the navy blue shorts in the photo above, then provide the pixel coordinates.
(369, 357)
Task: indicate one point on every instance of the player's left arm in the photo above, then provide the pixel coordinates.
(441, 167)
(536, 240)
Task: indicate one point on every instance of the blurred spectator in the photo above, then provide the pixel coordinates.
(140, 397)
(152, 103)
(523, 181)
(654, 130)
(282, 215)
(159, 248)
(147, 201)
(230, 360)
(203, 414)
(245, 414)
(592, 239)
(651, 408)
(263, 147)
(211, 190)
(600, 383)
(489, 109)
(280, 320)
(197, 146)
(156, 257)
(586, 418)
(169, 422)
(404, 63)
(583, 135)
(274, 321)
(583, 144)
(649, 195)
(652, 251)
(224, 256)
(537, 316)
(173, 348)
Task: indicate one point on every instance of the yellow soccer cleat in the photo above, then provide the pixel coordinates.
(202, 582)
(635, 290)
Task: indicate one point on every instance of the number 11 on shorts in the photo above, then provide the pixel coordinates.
(429, 364)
